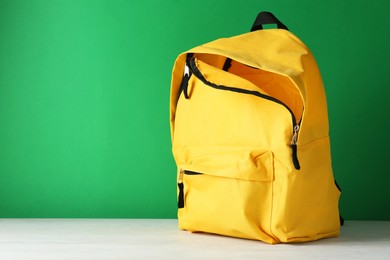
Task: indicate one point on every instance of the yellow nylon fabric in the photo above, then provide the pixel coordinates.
(238, 142)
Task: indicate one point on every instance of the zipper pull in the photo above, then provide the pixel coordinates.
(186, 70)
(180, 177)
(185, 80)
(180, 185)
(295, 135)
(294, 140)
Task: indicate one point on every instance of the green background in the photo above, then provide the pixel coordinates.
(84, 99)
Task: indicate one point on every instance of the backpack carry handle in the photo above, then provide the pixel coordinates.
(261, 19)
(266, 18)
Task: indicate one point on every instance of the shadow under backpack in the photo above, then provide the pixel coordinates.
(249, 129)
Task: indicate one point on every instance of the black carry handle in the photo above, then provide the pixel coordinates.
(266, 18)
(261, 19)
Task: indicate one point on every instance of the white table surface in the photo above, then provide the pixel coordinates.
(160, 239)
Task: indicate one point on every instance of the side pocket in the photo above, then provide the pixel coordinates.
(228, 193)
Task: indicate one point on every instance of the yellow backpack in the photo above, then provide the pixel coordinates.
(249, 128)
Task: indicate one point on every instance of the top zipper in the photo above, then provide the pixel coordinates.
(191, 65)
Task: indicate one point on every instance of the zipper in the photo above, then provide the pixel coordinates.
(180, 185)
(294, 147)
(186, 77)
(184, 82)
(186, 172)
(191, 64)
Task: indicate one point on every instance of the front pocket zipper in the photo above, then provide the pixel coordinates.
(180, 185)
(191, 66)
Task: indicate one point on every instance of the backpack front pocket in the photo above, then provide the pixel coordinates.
(227, 192)
(244, 81)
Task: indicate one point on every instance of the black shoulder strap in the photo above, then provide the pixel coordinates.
(341, 218)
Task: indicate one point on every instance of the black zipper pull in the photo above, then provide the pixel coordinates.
(294, 148)
(184, 81)
(180, 185)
